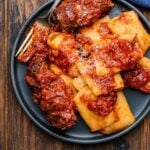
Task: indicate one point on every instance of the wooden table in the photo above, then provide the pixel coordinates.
(17, 131)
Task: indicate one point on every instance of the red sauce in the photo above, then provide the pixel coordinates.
(67, 53)
(145, 88)
(123, 19)
(82, 40)
(105, 83)
(77, 13)
(64, 60)
(120, 53)
(38, 44)
(30, 79)
(104, 30)
(36, 64)
(103, 105)
(137, 77)
(26, 56)
(55, 27)
(37, 96)
(83, 45)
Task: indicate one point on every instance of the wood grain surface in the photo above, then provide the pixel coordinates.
(17, 131)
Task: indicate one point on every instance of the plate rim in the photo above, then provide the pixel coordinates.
(141, 116)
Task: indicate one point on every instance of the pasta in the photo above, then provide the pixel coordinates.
(89, 69)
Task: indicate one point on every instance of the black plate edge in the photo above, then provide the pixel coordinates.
(107, 139)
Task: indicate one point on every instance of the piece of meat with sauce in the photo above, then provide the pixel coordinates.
(77, 13)
(37, 43)
(137, 78)
(36, 65)
(57, 100)
(51, 93)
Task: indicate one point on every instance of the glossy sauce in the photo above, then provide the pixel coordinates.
(103, 105)
(105, 83)
(66, 55)
(103, 30)
(136, 78)
(38, 44)
(119, 53)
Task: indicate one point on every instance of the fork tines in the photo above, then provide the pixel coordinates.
(26, 43)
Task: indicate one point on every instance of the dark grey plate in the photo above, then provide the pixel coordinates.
(80, 133)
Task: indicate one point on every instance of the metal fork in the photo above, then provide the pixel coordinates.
(49, 14)
(43, 18)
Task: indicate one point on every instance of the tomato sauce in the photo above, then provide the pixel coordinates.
(37, 45)
(103, 30)
(145, 88)
(119, 53)
(123, 19)
(66, 55)
(103, 105)
(64, 59)
(137, 77)
(105, 83)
